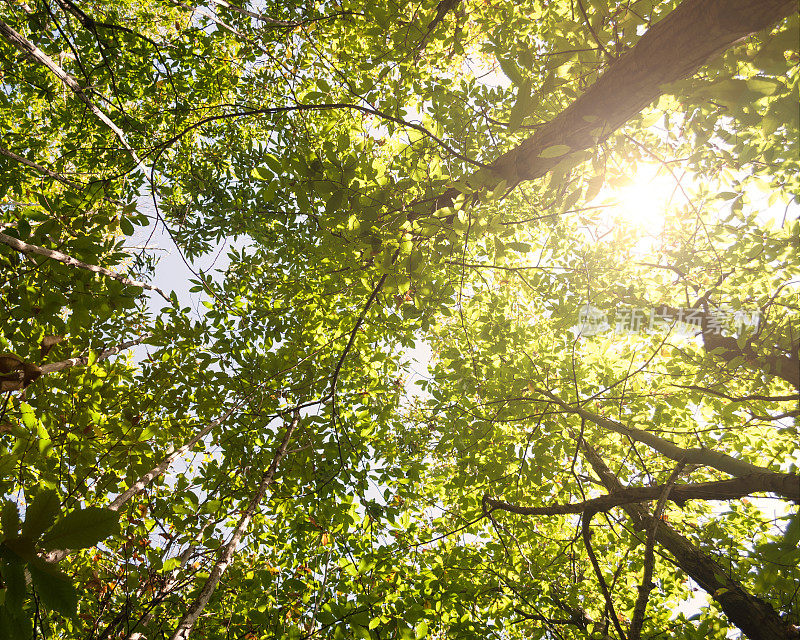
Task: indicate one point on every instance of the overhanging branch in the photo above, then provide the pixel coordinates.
(788, 486)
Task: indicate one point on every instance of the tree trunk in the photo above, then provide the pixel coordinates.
(753, 616)
(671, 50)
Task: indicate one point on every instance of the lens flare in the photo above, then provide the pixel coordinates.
(645, 199)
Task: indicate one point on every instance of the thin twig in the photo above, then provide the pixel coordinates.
(189, 619)
(587, 541)
(635, 631)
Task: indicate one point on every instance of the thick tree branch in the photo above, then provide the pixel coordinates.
(671, 50)
(783, 364)
(753, 616)
(26, 248)
(707, 457)
(54, 367)
(786, 367)
(786, 484)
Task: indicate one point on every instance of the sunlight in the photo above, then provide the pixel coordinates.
(645, 199)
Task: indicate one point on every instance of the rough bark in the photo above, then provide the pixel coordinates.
(753, 616)
(227, 552)
(671, 50)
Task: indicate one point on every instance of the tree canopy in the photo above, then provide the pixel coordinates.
(504, 343)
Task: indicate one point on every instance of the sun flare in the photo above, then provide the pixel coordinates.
(645, 199)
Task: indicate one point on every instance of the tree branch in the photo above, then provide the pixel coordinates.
(587, 541)
(21, 43)
(189, 619)
(640, 608)
(706, 457)
(788, 484)
(753, 616)
(20, 376)
(26, 248)
(39, 168)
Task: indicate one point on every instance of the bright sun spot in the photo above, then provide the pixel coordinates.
(645, 199)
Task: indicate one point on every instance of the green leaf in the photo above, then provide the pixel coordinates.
(511, 70)
(594, 185)
(14, 579)
(15, 623)
(40, 514)
(263, 173)
(126, 227)
(415, 261)
(555, 151)
(8, 463)
(522, 247)
(762, 86)
(54, 588)
(9, 519)
(792, 536)
(82, 528)
(19, 549)
(28, 416)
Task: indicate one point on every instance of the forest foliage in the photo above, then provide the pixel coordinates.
(585, 211)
